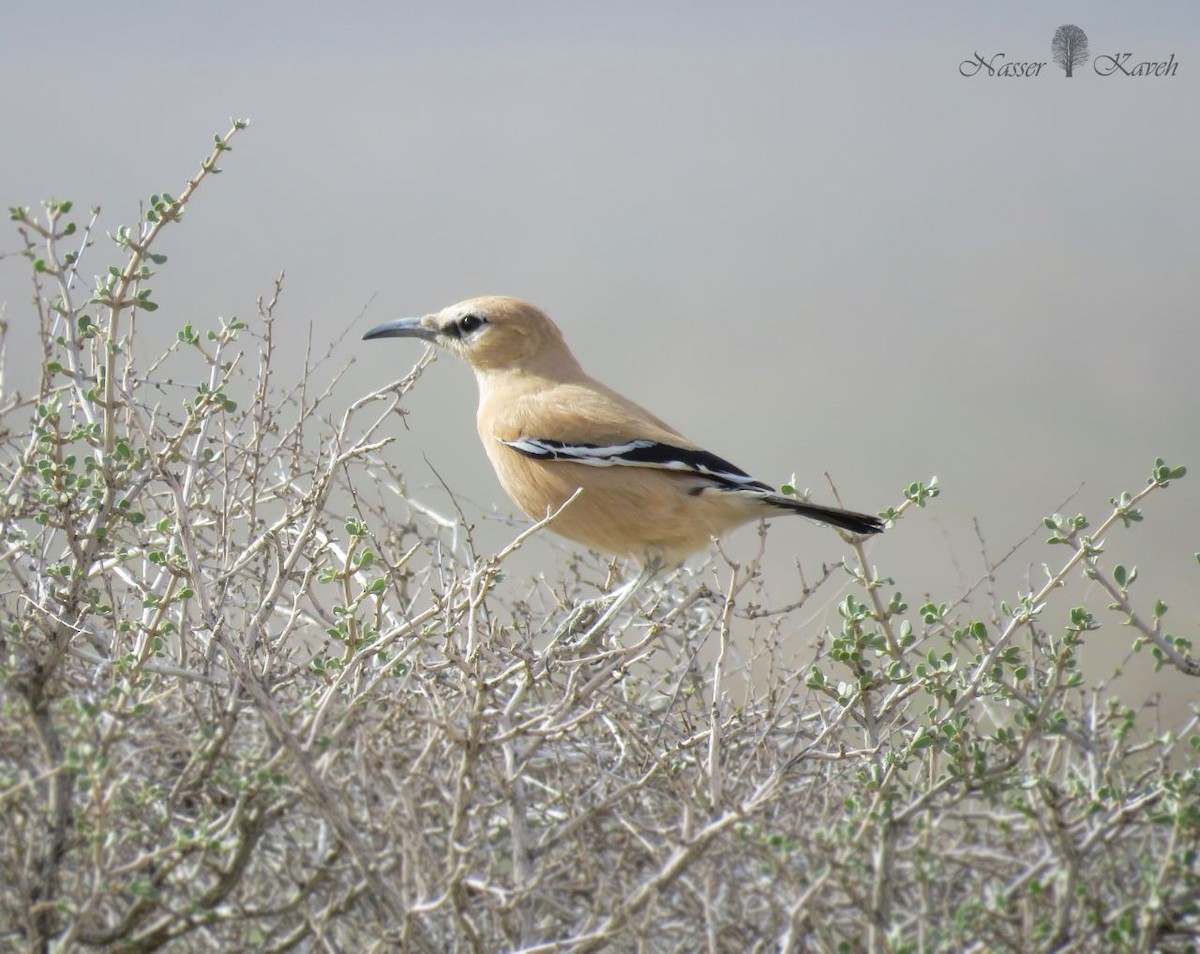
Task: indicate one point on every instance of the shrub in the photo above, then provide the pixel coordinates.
(254, 699)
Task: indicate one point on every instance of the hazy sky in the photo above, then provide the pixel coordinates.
(794, 230)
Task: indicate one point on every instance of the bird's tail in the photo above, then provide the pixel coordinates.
(846, 519)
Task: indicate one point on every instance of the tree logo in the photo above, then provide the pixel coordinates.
(1070, 47)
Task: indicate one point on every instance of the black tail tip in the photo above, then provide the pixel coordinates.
(863, 523)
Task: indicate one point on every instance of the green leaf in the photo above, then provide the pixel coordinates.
(1163, 474)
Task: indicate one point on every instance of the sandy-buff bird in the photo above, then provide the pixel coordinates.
(549, 429)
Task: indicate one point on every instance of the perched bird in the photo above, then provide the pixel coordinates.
(549, 429)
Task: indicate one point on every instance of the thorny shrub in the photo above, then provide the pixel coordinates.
(253, 700)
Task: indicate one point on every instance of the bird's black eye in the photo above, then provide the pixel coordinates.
(469, 323)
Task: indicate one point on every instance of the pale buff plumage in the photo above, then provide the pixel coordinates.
(531, 387)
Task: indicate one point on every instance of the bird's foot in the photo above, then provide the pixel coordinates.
(582, 616)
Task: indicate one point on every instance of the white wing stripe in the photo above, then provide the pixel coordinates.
(641, 453)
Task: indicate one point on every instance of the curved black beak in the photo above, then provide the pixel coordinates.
(402, 328)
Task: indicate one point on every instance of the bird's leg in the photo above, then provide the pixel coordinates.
(585, 611)
(618, 598)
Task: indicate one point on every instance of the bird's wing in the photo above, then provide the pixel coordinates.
(587, 423)
(642, 453)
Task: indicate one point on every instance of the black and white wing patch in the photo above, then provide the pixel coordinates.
(643, 453)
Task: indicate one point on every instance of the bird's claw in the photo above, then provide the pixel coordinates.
(581, 617)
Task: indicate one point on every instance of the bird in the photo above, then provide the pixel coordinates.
(641, 489)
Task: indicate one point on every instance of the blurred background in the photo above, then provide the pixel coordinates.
(793, 230)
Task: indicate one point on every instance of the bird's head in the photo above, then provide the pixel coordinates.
(491, 333)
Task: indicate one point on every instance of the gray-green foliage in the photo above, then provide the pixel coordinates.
(255, 698)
